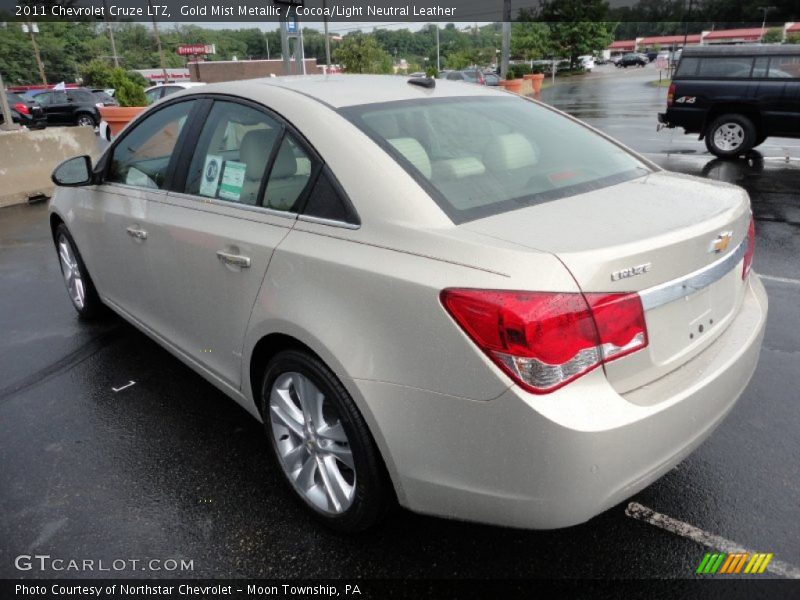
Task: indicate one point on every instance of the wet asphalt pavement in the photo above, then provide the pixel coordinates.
(170, 468)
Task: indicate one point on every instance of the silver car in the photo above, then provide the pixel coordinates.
(442, 295)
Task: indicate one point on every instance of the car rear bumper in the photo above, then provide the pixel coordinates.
(558, 460)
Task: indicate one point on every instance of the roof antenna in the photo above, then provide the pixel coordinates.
(426, 82)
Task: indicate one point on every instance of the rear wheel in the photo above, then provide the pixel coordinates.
(80, 288)
(85, 120)
(730, 135)
(321, 442)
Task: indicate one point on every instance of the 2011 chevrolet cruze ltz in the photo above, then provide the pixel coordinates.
(429, 292)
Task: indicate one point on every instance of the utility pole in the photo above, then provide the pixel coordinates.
(506, 49)
(327, 37)
(110, 34)
(766, 9)
(266, 40)
(158, 42)
(33, 28)
(8, 122)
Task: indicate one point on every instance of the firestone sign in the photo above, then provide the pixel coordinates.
(194, 49)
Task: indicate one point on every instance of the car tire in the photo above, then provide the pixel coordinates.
(321, 443)
(80, 287)
(85, 120)
(730, 136)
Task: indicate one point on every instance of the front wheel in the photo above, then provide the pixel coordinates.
(80, 287)
(730, 136)
(321, 443)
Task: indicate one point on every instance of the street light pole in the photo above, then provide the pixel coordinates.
(766, 9)
(327, 37)
(438, 54)
(506, 49)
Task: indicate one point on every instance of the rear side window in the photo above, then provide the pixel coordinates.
(233, 153)
(784, 67)
(725, 66)
(326, 201)
(514, 153)
(687, 67)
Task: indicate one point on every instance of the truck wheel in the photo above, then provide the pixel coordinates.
(85, 120)
(730, 136)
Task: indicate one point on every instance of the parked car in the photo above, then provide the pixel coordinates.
(478, 76)
(104, 98)
(736, 97)
(156, 92)
(25, 112)
(507, 318)
(632, 60)
(77, 106)
(651, 56)
(587, 62)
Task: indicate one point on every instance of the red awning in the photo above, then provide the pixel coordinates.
(748, 35)
(623, 45)
(794, 28)
(670, 39)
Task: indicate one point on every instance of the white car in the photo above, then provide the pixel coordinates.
(519, 322)
(587, 62)
(153, 94)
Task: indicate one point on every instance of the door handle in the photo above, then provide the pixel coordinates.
(139, 234)
(237, 260)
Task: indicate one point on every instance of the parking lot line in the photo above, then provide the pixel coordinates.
(648, 515)
(788, 280)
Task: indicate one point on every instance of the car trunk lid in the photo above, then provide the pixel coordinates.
(677, 240)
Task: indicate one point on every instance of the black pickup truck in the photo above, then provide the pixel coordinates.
(735, 97)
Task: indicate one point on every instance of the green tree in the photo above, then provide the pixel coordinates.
(360, 53)
(773, 35)
(577, 27)
(529, 41)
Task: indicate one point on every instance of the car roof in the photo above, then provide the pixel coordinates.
(744, 50)
(338, 91)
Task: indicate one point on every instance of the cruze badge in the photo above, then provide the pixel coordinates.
(631, 272)
(721, 242)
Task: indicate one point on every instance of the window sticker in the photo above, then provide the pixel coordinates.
(211, 172)
(232, 180)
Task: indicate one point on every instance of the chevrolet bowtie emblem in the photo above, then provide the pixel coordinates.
(721, 243)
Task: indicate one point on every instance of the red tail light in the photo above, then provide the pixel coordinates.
(671, 95)
(751, 247)
(21, 108)
(545, 340)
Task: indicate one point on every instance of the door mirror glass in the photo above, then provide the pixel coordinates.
(73, 172)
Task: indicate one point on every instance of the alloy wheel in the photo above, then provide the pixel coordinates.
(85, 121)
(729, 137)
(312, 445)
(71, 272)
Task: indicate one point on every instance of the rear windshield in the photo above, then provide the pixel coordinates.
(479, 157)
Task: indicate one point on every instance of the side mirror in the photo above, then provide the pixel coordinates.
(73, 172)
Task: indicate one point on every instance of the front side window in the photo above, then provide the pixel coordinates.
(142, 156)
(484, 156)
